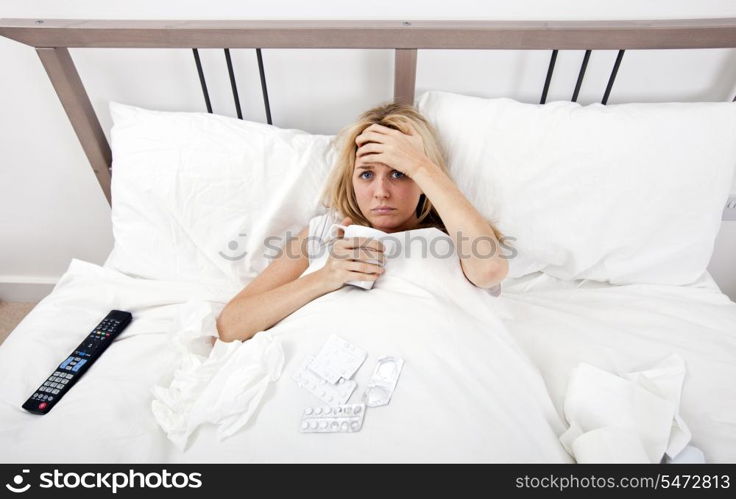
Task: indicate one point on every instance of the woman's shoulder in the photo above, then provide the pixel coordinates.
(319, 225)
(319, 232)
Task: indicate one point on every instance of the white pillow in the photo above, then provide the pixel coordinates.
(621, 193)
(193, 192)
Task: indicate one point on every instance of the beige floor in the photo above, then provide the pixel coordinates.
(11, 313)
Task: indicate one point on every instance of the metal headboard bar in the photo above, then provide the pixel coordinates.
(202, 81)
(264, 90)
(53, 37)
(234, 86)
(233, 83)
(612, 78)
(550, 70)
(581, 75)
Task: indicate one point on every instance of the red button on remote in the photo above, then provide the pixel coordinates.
(42, 405)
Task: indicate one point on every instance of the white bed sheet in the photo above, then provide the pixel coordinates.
(620, 328)
(107, 416)
(628, 328)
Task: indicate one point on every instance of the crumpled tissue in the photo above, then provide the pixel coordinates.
(631, 418)
(215, 382)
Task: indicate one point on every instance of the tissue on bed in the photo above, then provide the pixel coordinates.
(221, 384)
(629, 419)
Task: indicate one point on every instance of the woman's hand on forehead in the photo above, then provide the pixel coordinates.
(378, 144)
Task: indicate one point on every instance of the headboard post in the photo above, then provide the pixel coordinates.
(405, 75)
(68, 85)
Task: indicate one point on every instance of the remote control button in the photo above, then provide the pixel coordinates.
(79, 365)
(42, 405)
(55, 392)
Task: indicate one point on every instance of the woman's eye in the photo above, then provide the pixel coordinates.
(397, 174)
(365, 173)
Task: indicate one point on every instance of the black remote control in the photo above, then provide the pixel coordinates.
(69, 371)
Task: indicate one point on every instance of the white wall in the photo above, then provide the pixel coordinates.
(53, 209)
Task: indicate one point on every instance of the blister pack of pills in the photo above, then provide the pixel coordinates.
(342, 419)
(337, 359)
(337, 394)
(383, 381)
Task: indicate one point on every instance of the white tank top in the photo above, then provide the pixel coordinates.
(319, 235)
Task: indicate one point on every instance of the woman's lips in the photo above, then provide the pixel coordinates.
(383, 210)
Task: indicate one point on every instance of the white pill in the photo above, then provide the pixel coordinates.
(308, 410)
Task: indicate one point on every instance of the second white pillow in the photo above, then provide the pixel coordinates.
(622, 193)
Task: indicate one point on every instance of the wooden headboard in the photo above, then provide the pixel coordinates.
(53, 37)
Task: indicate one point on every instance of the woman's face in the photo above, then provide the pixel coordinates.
(386, 197)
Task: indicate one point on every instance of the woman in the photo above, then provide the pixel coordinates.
(390, 175)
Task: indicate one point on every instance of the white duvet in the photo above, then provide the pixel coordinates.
(467, 392)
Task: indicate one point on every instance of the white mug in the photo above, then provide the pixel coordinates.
(388, 241)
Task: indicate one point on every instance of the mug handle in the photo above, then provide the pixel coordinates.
(333, 228)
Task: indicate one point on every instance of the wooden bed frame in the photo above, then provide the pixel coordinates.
(52, 39)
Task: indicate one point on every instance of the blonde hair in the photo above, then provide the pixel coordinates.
(339, 194)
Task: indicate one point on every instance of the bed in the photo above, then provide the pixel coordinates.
(558, 324)
(487, 379)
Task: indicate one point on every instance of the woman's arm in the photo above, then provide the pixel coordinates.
(477, 246)
(275, 293)
(476, 243)
(278, 291)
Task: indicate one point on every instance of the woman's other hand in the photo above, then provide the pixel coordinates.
(352, 259)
